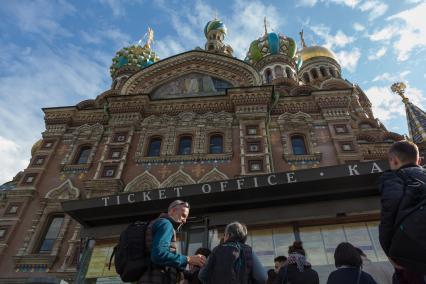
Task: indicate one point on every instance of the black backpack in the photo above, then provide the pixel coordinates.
(131, 257)
(408, 246)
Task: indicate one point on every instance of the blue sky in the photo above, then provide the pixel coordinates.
(58, 53)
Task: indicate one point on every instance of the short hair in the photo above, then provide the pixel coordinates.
(405, 151)
(203, 251)
(360, 252)
(236, 231)
(178, 203)
(280, 258)
(346, 254)
(297, 247)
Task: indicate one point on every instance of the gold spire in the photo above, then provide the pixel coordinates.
(265, 23)
(302, 39)
(399, 88)
(215, 14)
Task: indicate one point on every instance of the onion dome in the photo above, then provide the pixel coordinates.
(215, 25)
(271, 43)
(316, 51)
(135, 56)
(36, 147)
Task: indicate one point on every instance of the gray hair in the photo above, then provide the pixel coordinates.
(236, 231)
(178, 203)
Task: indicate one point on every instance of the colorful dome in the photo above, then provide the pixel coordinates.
(316, 51)
(271, 43)
(215, 25)
(134, 55)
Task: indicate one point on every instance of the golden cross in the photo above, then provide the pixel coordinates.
(215, 14)
(302, 39)
(399, 88)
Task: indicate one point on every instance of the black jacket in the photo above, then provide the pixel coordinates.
(393, 208)
(349, 276)
(294, 276)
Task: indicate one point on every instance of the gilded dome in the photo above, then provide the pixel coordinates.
(271, 43)
(36, 146)
(135, 56)
(217, 25)
(316, 51)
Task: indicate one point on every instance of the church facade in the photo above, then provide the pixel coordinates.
(279, 140)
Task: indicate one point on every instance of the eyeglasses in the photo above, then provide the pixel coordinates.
(185, 204)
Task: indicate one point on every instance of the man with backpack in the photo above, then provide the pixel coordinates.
(161, 241)
(402, 229)
(233, 262)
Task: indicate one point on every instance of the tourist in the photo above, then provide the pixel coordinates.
(233, 261)
(297, 269)
(402, 229)
(279, 261)
(381, 272)
(349, 267)
(161, 239)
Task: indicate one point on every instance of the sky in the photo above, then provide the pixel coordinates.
(58, 53)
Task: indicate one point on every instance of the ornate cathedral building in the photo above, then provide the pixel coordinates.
(279, 140)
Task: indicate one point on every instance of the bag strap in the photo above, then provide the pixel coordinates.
(112, 255)
(359, 276)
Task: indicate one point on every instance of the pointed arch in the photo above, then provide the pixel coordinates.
(213, 175)
(143, 182)
(66, 190)
(177, 179)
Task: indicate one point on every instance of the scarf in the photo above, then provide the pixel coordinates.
(299, 260)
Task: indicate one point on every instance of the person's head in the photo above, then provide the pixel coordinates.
(297, 247)
(203, 251)
(178, 211)
(235, 231)
(346, 254)
(279, 261)
(402, 153)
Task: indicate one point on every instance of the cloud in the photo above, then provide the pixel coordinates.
(40, 17)
(349, 59)
(374, 7)
(168, 46)
(387, 105)
(378, 54)
(118, 7)
(9, 151)
(358, 27)
(340, 39)
(384, 34)
(111, 35)
(311, 3)
(306, 3)
(392, 78)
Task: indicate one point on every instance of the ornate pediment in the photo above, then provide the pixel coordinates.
(189, 73)
(144, 181)
(66, 191)
(177, 179)
(213, 175)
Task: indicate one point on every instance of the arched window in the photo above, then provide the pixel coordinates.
(268, 76)
(333, 72)
(154, 147)
(288, 72)
(278, 71)
(322, 70)
(216, 144)
(314, 73)
(83, 155)
(298, 145)
(306, 77)
(51, 234)
(185, 145)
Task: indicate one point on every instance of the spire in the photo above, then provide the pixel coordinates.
(302, 39)
(416, 117)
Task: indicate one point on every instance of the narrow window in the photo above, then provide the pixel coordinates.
(288, 72)
(83, 155)
(298, 145)
(154, 147)
(306, 77)
(268, 76)
(322, 70)
(216, 144)
(278, 71)
(314, 73)
(51, 234)
(185, 145)
(333, 72)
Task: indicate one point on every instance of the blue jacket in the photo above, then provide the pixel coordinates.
(162, 236)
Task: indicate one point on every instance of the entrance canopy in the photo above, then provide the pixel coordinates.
(275, 189)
